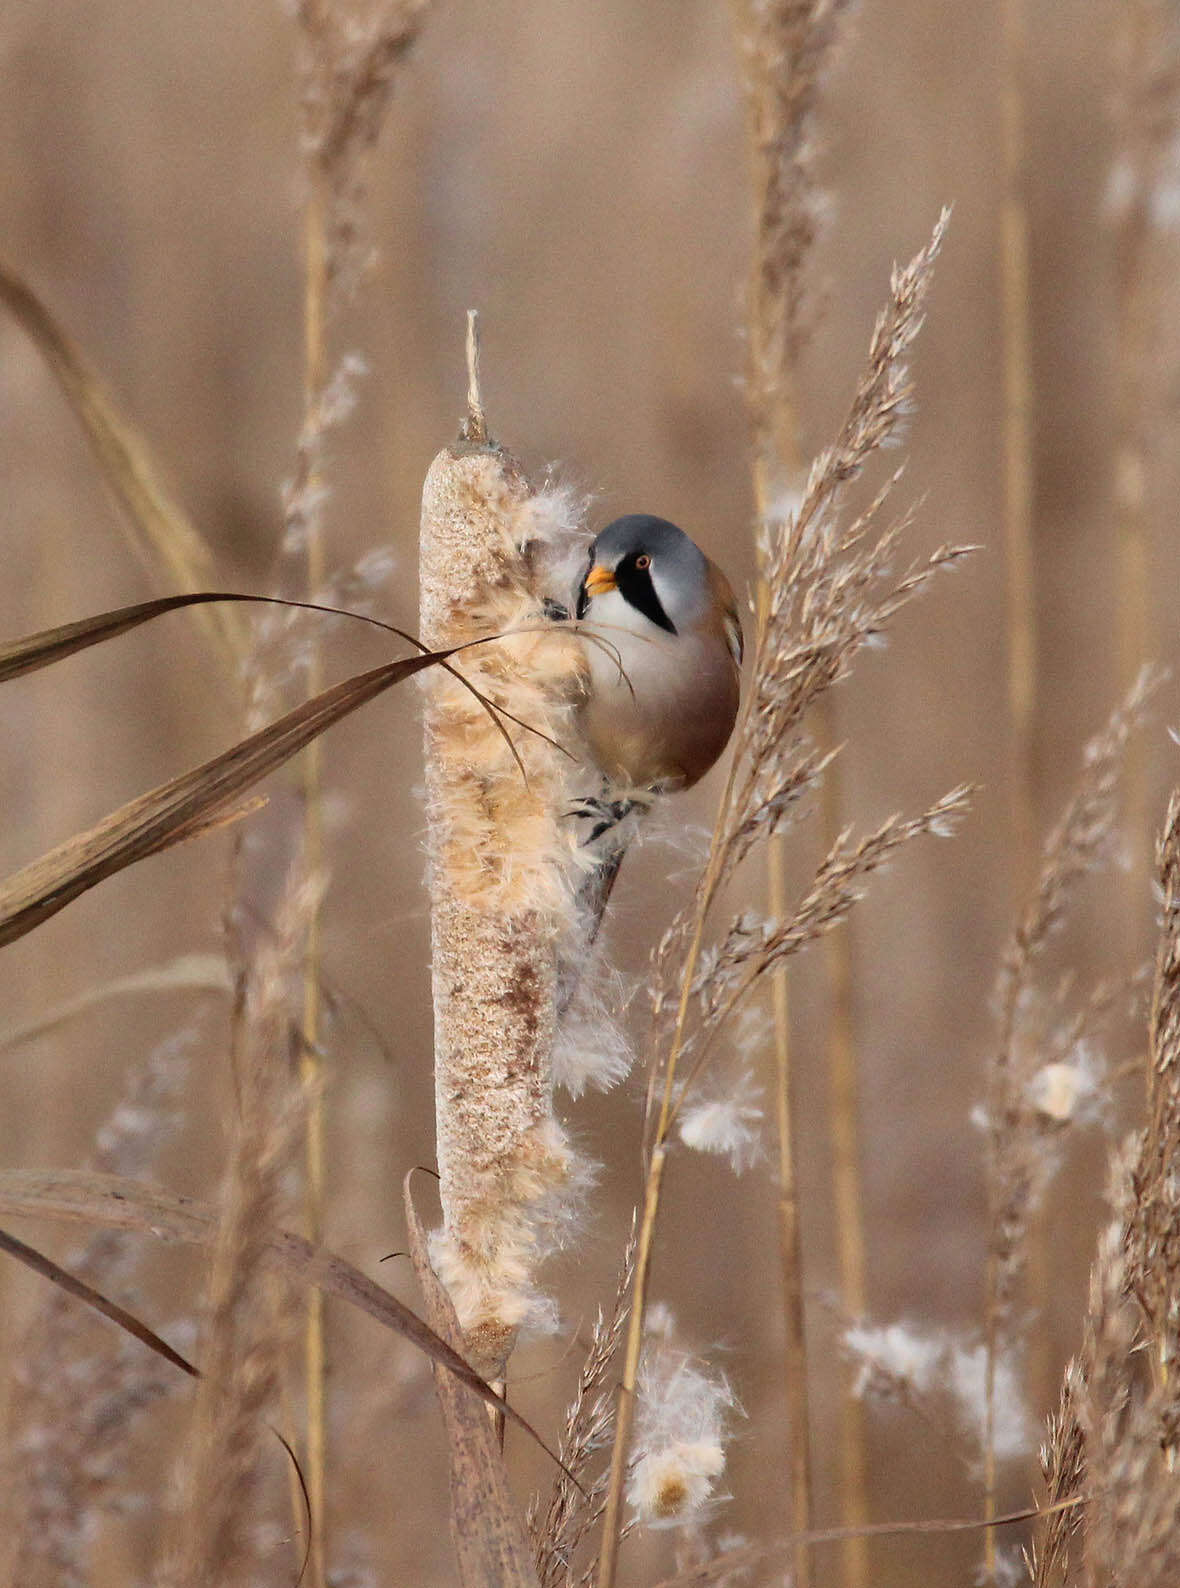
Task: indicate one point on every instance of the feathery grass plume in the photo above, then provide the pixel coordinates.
(830, 591)
(214, 1535)
(1115, 1436)
(785, 48)
(79, 1386)
(1117, 1446)
(1025, 1100)
(500, 881)
(1063, 1467)
(725, 1118)
(933, 1373)
(571, 1512)
(350, 50)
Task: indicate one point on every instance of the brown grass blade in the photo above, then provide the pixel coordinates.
(162, 534)
(47, 646)
(81, 1291)
(33, 651)
(186, 973)
(488, 1535)
(111, 1201)
(173, 811)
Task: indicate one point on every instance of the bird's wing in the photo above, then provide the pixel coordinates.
(730, 621)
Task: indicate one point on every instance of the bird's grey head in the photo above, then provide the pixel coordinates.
(655, 567)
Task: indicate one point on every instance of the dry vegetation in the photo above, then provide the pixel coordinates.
(752, 1264)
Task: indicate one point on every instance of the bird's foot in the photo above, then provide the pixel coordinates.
(603, 814)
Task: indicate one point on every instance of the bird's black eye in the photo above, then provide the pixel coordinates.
(643, 562)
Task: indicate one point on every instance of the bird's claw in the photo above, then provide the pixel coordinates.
(604, 814)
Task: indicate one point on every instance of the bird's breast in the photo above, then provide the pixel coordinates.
(659, 708)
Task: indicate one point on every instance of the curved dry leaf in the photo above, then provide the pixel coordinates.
(188, 804)
(163, 536)
(185, 973)
(111, 1201)
(81, 1291)
(47, 646)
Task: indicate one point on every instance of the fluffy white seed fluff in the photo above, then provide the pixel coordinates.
(893, 1353)
(680, 1432)
(897, 1361)
(1069, 1090)
(727, 1123)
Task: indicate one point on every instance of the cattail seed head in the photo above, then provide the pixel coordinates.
(501, 893)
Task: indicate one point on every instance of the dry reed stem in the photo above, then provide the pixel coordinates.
(1146, 113)
(1019, 555)
(490, 1542)
(784, 47)
(311, 1070)
(1018, 457)
(500, 892)
(349, 53)
(185, 973)
(828, 592)
(731, 1564)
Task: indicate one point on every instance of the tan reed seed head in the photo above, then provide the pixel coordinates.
(500, 878)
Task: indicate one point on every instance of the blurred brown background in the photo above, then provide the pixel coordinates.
(579, 174)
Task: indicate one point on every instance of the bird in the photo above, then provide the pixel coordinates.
(661, 694)
(664, 656)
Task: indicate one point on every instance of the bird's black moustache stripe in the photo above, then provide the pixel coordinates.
(635, 585)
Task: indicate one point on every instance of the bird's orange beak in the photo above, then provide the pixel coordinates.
(599, 580)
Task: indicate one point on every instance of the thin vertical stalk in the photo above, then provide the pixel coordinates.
(847, 1186)
(1146, 117)
(784, 50)
(1021, 611)
(1018, 461)
(310, 1066)
(625, 1406)
(789, 1228)
(790, 1247)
